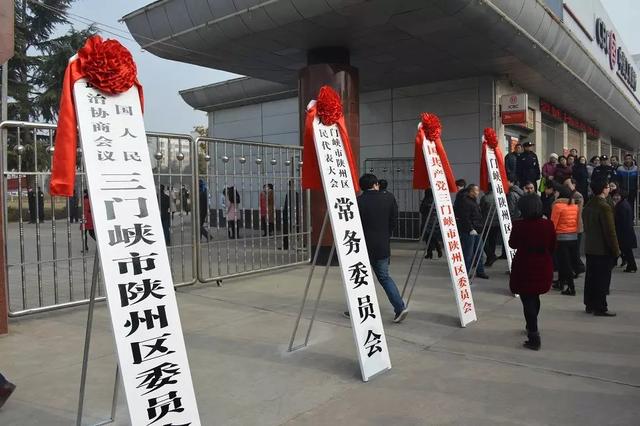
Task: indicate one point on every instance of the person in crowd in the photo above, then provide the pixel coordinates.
(593, 164)
(547, 197)
(6, 389)
(571, 161)
(73, 207)
(383, 184)
(232, 201)
(624, 231)
(40, 205)
(263, 210)
(601, 248)
(534, 240)
(470, 224)
(271, 208)
(563, 171)
(578, 198)
(581, 174)
(433, 226)
(528, 169)
(615, 163)
(514, 194)
(379, 213)
(511, 162)
(173, 201)
(529, 187)
(604, 171)
(565, 215)
(165, 214)
(573, 153)
(487, 207)
(628, 179)
(185, 204)
(203, 208)
(31, 197)
(549, 168)
(291, 214)
(87, 222)
(461, 184)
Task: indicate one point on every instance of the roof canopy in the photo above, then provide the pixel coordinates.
(394, 43)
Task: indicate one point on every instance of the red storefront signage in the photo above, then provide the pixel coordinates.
(557, 113)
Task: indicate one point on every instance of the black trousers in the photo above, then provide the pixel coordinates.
(492, 239)
(597, 280)
(566, 253)
(627, 255)
(531, 308)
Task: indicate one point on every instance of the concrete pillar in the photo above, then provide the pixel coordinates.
(583, 150)
(563, 128)
(329, 66)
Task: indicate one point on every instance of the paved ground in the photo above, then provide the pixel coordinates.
(587, 373)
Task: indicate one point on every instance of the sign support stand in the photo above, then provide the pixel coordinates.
(306, 290)
(486, 229)
(85, 355)
(415, 257)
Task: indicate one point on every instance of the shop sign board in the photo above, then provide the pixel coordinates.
(513, 108)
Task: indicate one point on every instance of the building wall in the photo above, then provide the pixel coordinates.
(388, 121)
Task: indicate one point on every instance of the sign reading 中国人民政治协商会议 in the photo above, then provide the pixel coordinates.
(357, 275)
(501, 204)
(133, 258)
(449, 229)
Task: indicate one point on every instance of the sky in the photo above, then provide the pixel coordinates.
(165, 111)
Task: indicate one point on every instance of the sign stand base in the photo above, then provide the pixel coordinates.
(85, 355)
(415, 258)
(306, 290)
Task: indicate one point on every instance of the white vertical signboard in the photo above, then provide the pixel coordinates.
(450, 237)
(357, 275)
(133, 258)
(500, 198)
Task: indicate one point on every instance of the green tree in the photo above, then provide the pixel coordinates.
(36, 73)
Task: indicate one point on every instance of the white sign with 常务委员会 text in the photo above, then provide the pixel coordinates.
(502, 207)
(450, 237)
(133, 258)
(348, 235)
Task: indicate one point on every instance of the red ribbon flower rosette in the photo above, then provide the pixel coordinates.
(490, 141)
(430, 129)
(109, 67)
(328, 109)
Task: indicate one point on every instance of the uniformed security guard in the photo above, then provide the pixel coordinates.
(605, 171)
(528, 168)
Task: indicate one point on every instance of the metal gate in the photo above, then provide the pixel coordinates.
(252, 208)
(49, 253)
(398, 172)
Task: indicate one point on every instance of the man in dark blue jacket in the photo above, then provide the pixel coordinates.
(379, 213)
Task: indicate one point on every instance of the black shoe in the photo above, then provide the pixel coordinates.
(429, 255)
(346, 314)
(588, 310)
(569, 292)
(401, 316)
(5, 392)
(482, 275)
(604, 314)
(623, 264)
(556, 285)
(533, 342)
(439, 250)
(630, 270)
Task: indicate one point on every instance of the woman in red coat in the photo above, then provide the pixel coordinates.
(534, 238)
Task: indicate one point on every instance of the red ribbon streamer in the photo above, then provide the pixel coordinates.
(430, 129)
(490, 141)
(311, 178)
(63, 171)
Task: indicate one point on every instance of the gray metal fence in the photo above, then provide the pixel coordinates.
(398, 172)
(252, 208)
(50, 255)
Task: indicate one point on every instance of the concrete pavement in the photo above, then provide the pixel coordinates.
(587, 373)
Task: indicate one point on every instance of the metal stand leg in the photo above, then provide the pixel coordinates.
(85, 355)
(415, 278)
(415, 255)
(308, 285)
(486, 228)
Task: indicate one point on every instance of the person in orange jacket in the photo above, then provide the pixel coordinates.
(565, 215)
